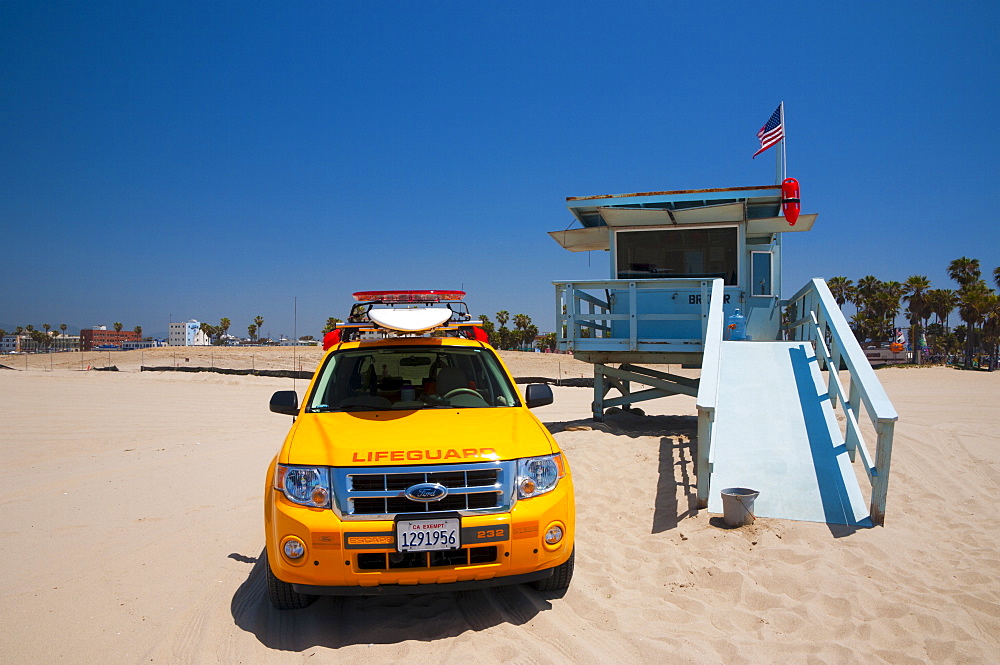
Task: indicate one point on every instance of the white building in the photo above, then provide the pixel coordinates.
(10, 344)
(143, 344)
(284, 341)
(188, 333)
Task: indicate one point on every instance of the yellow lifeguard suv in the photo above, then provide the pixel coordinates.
(413, 465)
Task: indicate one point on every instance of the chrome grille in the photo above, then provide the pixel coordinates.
(377, 492)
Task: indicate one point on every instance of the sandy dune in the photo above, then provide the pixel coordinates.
(132, 533)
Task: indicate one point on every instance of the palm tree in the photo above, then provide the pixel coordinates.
(252, 329)
(522, 322)
(964, 270)
(40, 339)
(881, 306)
(138, 331)
(916, 295)
(487, 325)
(331, 323)
(259, 322)
(991, 328)
(63, 327)
(867, 286)
(974, 304)
(530, 333)
(941, 303)
(503, 333)
(224, 324)
(47, 328)
(863, 297)
(865, 326)
(996, 276)
(209, 330)
(841, 288)
(118, 326)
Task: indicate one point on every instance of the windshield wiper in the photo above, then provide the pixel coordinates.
(323, 408)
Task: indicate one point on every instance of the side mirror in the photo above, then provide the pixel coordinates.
(286, 402)
(537, 394)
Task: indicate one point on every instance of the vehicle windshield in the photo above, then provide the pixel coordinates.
(374, 379)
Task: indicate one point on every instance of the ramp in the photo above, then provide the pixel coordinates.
(776, 433)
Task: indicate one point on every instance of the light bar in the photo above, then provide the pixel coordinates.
(408, 296)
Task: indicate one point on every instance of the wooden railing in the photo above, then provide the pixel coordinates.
(818, 319)
(587, 306)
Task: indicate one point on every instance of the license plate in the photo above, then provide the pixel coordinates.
(426, 535)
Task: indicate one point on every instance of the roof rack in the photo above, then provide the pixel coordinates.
(428, 296)
(381, 314)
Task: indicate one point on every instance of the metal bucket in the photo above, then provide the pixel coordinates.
(737, 506)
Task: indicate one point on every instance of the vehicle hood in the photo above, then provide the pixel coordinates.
(428, 436)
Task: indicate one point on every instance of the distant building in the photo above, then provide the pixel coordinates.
(61, 342)
(24, 344)
(188, 333)
(143, 344)
(11, 344)
(101, 337)
(284, 341)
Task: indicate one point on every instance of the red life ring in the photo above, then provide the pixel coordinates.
(790, 203)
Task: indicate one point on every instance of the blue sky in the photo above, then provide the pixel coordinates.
(206, 159)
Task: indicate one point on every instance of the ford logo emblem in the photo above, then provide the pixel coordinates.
(426, 492)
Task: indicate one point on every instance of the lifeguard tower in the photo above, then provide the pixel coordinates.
(681, 264)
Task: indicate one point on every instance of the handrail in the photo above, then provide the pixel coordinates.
(577, 310)
(708, 388)
(819, 320)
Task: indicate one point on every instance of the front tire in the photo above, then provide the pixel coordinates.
(561, 576)
(282, 595)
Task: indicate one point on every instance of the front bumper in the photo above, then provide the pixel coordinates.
(431, 587)
(342, 557)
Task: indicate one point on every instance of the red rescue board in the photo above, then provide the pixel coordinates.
(790, 202)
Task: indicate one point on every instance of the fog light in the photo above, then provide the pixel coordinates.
(294, 549)
(553, 535)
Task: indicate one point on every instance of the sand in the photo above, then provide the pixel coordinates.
(132, 533)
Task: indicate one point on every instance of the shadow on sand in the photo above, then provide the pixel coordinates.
(676, 488)
(334, 622)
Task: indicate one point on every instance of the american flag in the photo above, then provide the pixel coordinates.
(772, 131)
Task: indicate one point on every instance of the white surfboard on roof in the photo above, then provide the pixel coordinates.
(409, 319)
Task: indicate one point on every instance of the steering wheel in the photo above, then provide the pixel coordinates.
(460, 391)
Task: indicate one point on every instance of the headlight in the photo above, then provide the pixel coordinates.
(538, 475)
(305, 485)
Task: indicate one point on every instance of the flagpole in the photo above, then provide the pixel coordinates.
(777, 164)
(779, 154)
(784, 155)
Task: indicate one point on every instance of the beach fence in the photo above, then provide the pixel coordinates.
(820, 321)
